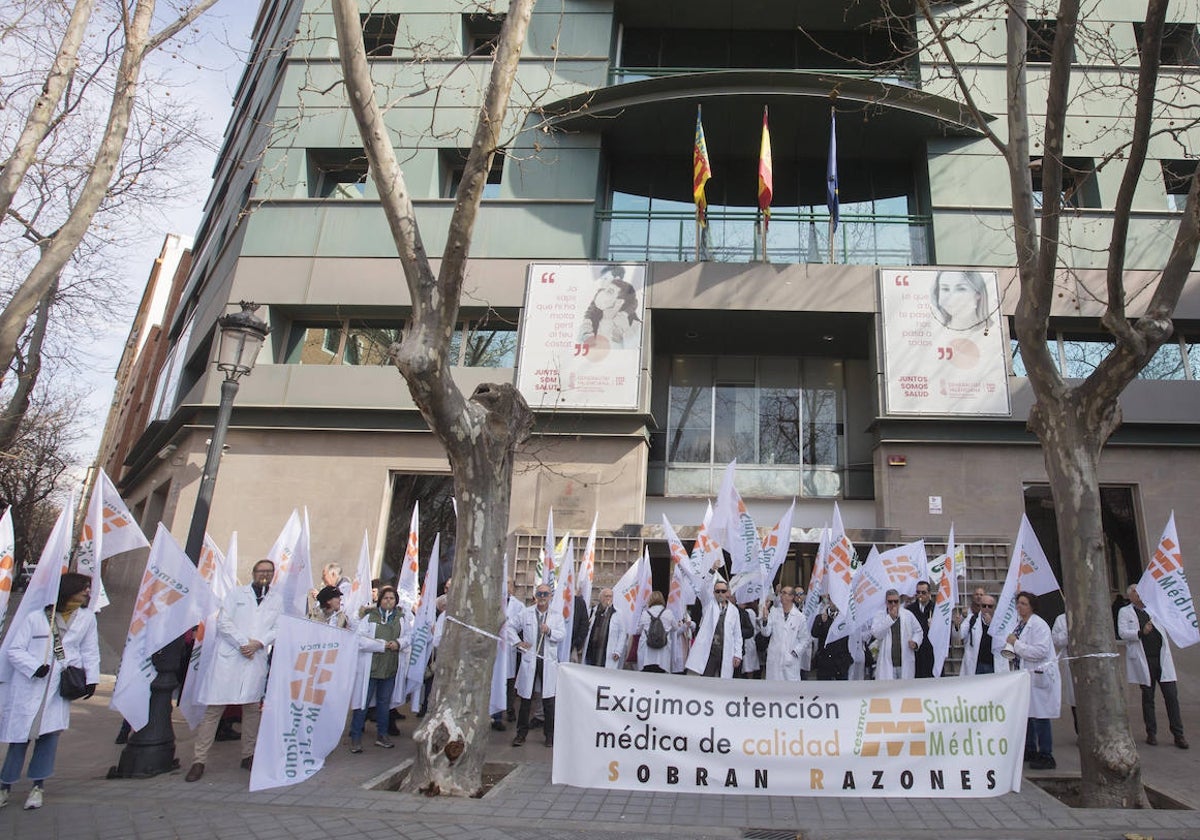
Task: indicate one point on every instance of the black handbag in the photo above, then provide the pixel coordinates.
(72, 680)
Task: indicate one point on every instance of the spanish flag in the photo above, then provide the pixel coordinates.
(765, 180)
(701, 171)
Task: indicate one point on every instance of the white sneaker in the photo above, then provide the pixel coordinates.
(34, 800)
(4, 796)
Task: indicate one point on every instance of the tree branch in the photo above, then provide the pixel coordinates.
(186, 19)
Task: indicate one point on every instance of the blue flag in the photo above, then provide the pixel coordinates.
(831, 176)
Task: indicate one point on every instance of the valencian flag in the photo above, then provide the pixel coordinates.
(765, 179)
(831, 176)
(701, 171)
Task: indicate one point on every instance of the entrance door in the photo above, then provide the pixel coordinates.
(436, 516)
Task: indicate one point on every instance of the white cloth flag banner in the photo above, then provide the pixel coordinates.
(632, 593)
(408, 585)
(587, 568)
(360, 588)
(8, 561)
(944, 574)
(412, 678)
(308, 695)
(626, 730)
(109, 530)
(218, 571)
(293, 572)
(816, 583)
(1165, 592)
(563, 599)
(1028, 571)
(733, 527)
(171, 599)
(841, 561)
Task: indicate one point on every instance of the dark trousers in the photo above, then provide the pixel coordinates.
(1170, 698)
(1038, 738)
(547, 708)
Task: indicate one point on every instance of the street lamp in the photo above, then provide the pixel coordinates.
(151, 750)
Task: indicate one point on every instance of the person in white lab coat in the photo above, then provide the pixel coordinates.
(1148, 663)
(1033, 645)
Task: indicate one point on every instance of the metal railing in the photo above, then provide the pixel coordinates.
(670, 236)
(905, 76)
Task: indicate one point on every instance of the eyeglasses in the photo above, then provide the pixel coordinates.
(893, 600)
(988, 607)
(542, 594)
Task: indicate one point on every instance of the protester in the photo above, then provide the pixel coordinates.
(717, 649)
(831, 661)
(246, 627)
(790, 649)
(978, 655)
(537, 637)
(43, 645)
(328, 608)
(605, 642)
(922, 610)
(385, 626)
(897, 634)
(1058, 633)
(1148, 663)
(1033, 646)
(751, 662)
(656, 624)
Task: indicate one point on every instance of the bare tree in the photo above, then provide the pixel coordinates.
(106, 164)
(1073, 420)
(479, 434)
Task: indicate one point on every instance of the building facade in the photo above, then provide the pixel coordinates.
(829, 366)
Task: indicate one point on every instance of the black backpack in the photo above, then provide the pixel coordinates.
(656, 636)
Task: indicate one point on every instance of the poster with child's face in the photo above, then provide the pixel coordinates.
(943, 344)
(581, 338)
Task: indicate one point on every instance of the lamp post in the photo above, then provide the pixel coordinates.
(151, 750)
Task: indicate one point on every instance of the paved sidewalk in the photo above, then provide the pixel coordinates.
(81, 803)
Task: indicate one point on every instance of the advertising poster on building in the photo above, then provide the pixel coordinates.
(943, 345)
(581, 341)
(953, 737)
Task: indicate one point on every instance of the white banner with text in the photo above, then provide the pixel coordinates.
(951, 737)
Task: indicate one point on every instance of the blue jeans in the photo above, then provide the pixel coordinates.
(379, 695)
(1037, 736)
(41, 766)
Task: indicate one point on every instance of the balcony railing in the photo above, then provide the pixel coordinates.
(906, 76)
(670, 236)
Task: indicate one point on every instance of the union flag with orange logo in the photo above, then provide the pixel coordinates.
(1165, 592)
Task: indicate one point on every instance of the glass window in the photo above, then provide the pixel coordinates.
(735, 423)
(454, 161)
(379, 33)
(492, 345)
(1166, 364)
(779, 411)
(367, 344)
(480, 34)
(689, 415)
(1082, 355)
(313, 344)
(1018, 364)
(337, 173)
(1193, 359)
(1177, 179)
(821, 412)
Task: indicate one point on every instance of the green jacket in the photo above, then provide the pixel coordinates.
(385, 664)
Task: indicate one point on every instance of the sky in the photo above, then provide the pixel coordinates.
(208, 69)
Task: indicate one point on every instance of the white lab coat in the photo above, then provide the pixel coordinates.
(527, 630)
(31, 648)
(617, 640)
(698, 657)
(910, 631)
(971, 637)
(1137, 669)
(512, 618)
(233, 678)
(1035, 647)
(1058, 633)
(681, 643)
(790, 649)
(660, 656)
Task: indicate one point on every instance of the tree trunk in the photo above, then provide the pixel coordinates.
(27, 374)
(452, 741)
(1072, 437)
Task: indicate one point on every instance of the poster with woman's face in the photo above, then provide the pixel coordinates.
(943, 342)
(581, 335)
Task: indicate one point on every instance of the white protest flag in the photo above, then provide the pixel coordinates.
(564, 600)
(293, 574)
(42, 590)
(1028, 571)
(867, 585)
(219, 572)
(109, 530)
(903, 567)
(1164, 590)
(840, 562)
(360, 588)
(944, 574)
(422, 640)
(587, 569)
(681, 593)
(498, 697)
(816, 582)
(733, 527)
(774, 551)
(545, 566)
(308, 696)
(632, 592)
(408, 585)
(8, 561)
(172, 599)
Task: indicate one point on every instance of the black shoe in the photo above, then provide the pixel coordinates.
(518, 741)
(550, 742)
(392, 729)
(1043, 762)
(498, 725)
(226, 732)
(248, 763)
(1150, 739)
(1181, 742)
(1030, 756)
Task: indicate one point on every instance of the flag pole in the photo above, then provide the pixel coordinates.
(831, 234)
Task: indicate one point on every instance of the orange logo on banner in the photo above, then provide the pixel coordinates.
(900, 570)
(1164, 563)
(911, 721)
(208, 564)
(114, 520)
(840, 560)
(154, 597)
(6, 572)
(317, 668)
